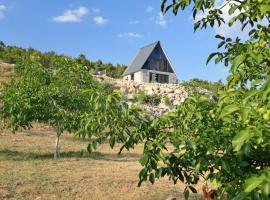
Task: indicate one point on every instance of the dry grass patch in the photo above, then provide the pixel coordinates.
(27, 170)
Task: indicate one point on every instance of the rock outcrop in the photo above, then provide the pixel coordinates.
(175, 93)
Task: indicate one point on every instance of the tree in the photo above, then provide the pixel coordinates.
(2, 45)
(225, 140)
(61, 97)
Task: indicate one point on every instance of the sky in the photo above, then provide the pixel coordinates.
(112, 31)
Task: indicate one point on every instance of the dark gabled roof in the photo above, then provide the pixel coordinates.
(141, 58)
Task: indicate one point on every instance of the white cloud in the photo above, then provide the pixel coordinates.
(3, 9)
(95, 10)
(130, 35)
(161, 21)
(224, 29)
(74, 15)
(99, 20)
(149, 9)
(134, 22)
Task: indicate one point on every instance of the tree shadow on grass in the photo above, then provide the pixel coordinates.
(6, 154)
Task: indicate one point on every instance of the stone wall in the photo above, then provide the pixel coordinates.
(175, 92)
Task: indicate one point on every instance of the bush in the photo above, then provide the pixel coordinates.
(168, 102)
(198, 87)
(153, 100)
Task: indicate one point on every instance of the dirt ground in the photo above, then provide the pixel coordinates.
(28, 171)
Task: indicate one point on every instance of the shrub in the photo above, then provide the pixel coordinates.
(168, 102)
(153, 100)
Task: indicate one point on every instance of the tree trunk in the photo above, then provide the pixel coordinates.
(57, 144)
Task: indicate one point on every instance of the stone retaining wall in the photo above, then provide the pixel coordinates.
(175, 92)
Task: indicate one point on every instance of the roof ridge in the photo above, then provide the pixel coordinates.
(156, 42)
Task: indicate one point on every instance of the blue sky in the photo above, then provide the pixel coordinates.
(112, 32)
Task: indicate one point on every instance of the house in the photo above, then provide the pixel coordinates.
(151, 65)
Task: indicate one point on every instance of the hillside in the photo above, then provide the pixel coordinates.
(156, 99)
(17, 55)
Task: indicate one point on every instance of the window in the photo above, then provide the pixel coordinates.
(163, 78)
(159, 78)
(158, 61)
(132, 77)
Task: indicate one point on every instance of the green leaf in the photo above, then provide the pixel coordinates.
(221, 44)
(265, 8)
(249, 94)
(218, 59)
(163, 4)
(265, 94)
(143, 173)
(266, 188)
(236, 62)
(220, 37)
(192, 189)
(175, 8)
(252, 182)
(240, 138)
(144, 159)
(112, 141)
(89, 148)
(240, 196)
(210, 57)
(197, 25)
(152, 178)
(232, 9)
(167, 8)
(244, 113)
(198, 4)
(227, 110)
(191, 145)
(232, 20)
(197, 167)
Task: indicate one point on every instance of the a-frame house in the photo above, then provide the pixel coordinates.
(151, 65)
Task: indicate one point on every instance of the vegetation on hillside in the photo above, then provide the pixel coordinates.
(19, 56)
(198, 87)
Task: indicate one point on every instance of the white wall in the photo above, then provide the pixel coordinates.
(146, 74)
(138, 77)
(143, 76)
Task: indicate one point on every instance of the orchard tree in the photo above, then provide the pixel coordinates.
(62, 97)
(45, 95)
(225, 141)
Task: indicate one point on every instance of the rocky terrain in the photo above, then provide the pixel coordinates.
(175, 93)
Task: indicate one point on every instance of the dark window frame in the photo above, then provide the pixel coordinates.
(159, 78)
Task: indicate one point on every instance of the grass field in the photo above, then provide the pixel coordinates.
(27, 170)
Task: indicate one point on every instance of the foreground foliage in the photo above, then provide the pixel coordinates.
(225, 141)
